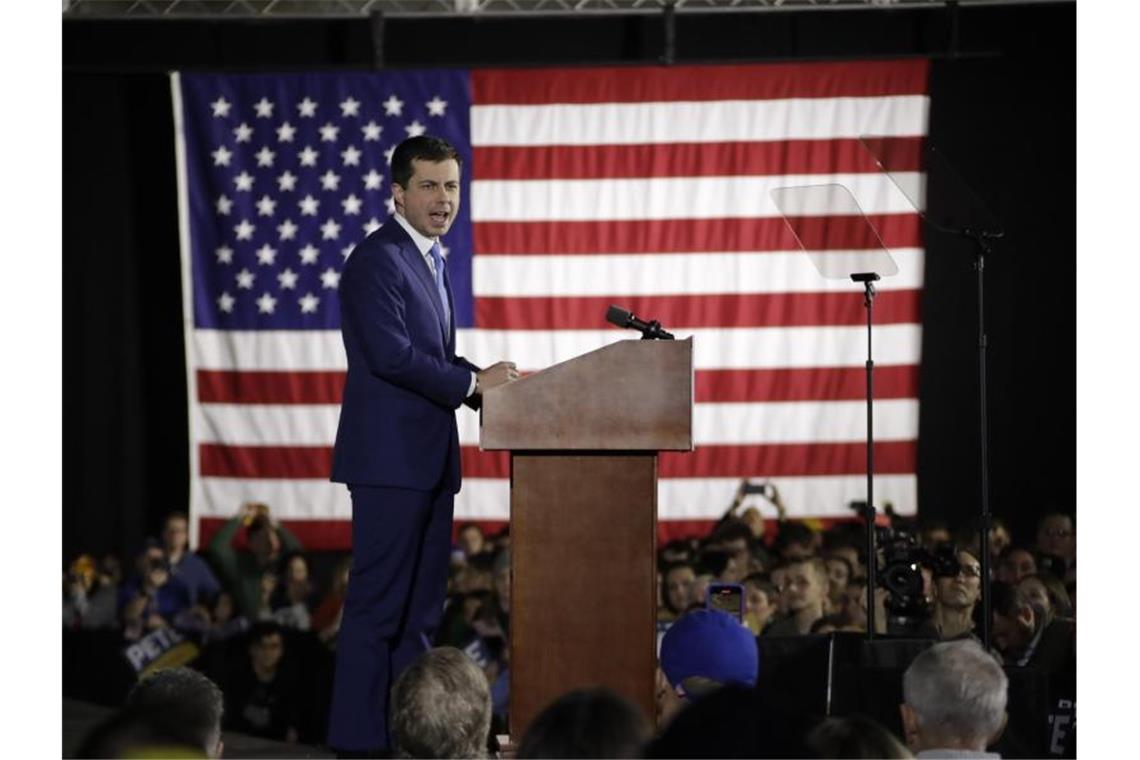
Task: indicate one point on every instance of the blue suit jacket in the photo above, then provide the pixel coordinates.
(397, 417)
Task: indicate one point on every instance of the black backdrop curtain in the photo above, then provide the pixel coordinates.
(1003, 93)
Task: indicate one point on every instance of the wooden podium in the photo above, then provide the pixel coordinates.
(584, 437)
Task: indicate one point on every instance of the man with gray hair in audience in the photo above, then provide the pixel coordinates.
(954, 697)
(441, 707)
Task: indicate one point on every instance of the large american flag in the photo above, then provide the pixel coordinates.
(646, 187)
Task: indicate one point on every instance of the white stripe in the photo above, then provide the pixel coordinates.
(779, 422)
(489, 498)
(279, 350)
(667, 197)
(732, 423)
(714, 348)
(698, 121)
(531, 350)
(673, 274)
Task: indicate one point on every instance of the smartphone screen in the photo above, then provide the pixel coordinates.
(727, 597)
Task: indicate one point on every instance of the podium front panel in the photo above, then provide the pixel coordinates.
(583, 578)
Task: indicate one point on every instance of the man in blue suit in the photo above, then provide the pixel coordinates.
(397, 445)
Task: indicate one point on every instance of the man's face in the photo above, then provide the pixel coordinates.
(1012, 634)
(679, 587)
(175, 535)
(1056, 537)
(471, 541)
(962, 590)
(803, 586)
(1036, 593)
(267, 651)
(1016, 565)
(430, 202)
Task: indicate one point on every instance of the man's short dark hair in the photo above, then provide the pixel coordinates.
(264, 629)
(587, 723)
(422, 148)
(1006, 599)
(188, 700)
(731, 530)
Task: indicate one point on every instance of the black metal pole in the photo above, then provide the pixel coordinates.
(868, 278)
(982, 248)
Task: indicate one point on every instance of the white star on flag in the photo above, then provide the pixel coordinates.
(371, 131)
(221, 156)
(308, 205)
(415, 129)
(288, 279)
(351, 205)
(307, 107)
(346, 251)
(287, 230)
(390, 204)
(266, 255)
(265, 157)
(309, 254)
(264, 108)
(308, 303)
(287, 181)
(225, 254)
(224, 205)
(350, 107)
(244, 230)
(245, 279)
(243, 132)
(436, 106)
(351, 156)
(244, 181)
(372, 180)
(330, 278)
(285, 132)
(393, 106)
(266, 304)
(371, 226)
(226, 302)
(308, 156)
(221, 107)
(266, 206)
(329, 132)
(330, 180)
(330, 230)
(388, 154)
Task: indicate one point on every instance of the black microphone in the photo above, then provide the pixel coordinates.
(624, 319)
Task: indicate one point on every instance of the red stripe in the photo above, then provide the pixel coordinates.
(688, 235)
(336, 535)
(226, 387)
(289, 462)
(742, 461)
(804, 384)
(691, 311)
(781, 157)
(645, 84)
(724, 385)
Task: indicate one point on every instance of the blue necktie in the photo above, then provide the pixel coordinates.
(437, 260)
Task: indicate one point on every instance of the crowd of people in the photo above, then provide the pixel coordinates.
(249, 605)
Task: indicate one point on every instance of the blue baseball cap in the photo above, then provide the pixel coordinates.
(710, 644)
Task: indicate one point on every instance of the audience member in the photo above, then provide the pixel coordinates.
(587, 723)
(327, 616)
(184, 564)
(677, 596)
(1014, 563)
(471, 540)
(840, 573)
(796, 541)
(952, 616)
(760, 602)
(1024, 634)
(226, 621)
(999, 539)
(1057, 537)
(262, 697)
(706, 649)
(1048, 593)
(954, 698)
(89, 599)
(152, 599)
(441, 707)
(854, 736)
(292, 599)
(806, 589)
(191, 703)
(244, 570)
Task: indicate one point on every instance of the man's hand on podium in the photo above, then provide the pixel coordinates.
(496, 374)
